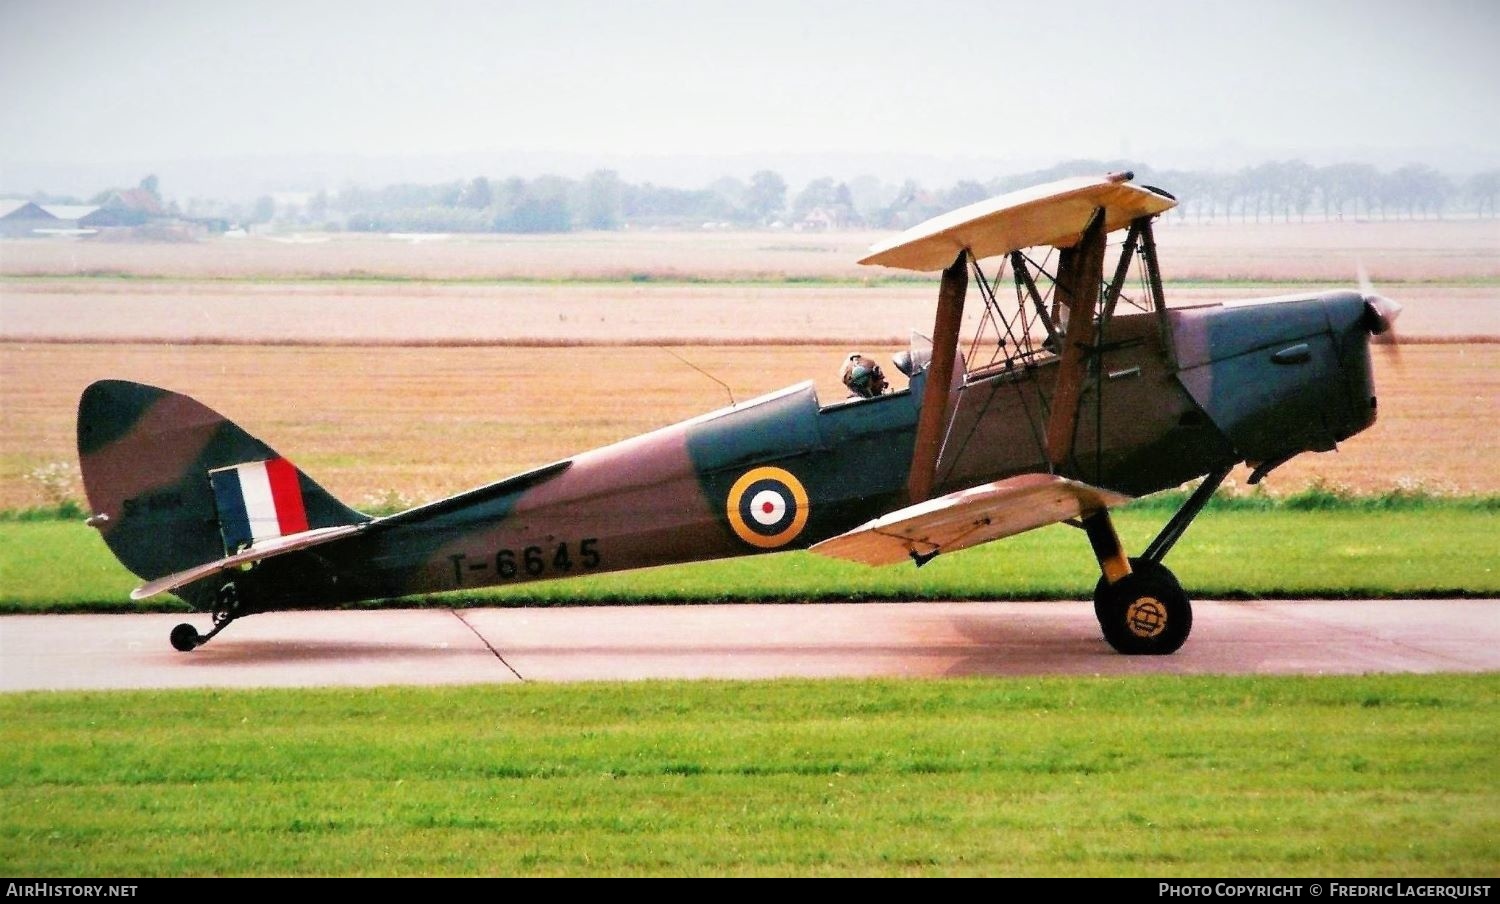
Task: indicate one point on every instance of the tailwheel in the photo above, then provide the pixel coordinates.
(185, 638)
(1144, 613)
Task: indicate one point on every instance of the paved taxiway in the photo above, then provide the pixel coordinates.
(440, 646)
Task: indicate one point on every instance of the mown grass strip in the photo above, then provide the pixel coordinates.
(1162, 775)
(1423, 550)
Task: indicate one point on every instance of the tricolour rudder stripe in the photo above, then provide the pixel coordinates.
(286, 492)
(258, 501)
(229, 499)
(260, 505)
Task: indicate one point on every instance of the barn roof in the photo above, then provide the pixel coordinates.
(21, 209)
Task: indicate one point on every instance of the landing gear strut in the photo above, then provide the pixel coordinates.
(185, 638)
(1141, 608)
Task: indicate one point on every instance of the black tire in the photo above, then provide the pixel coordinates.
(1146, 613)
(185, 638)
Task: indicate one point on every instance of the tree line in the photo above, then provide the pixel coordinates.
(1279, 190)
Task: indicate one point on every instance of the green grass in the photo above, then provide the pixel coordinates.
(1154, 776)
(1235, 551)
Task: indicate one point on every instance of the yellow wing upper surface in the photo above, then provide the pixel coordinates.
(1055, 214)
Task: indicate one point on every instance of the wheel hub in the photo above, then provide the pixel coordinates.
(1146, 617)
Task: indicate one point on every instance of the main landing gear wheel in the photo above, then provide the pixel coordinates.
(1145, 613)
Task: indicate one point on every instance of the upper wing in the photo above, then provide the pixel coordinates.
(969, 517)
(1052, 214)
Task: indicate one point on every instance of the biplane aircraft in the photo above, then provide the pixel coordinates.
(1095, 393)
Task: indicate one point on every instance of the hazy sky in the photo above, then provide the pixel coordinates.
(100, 81)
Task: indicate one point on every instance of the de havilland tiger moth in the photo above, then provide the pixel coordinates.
(1081, 393)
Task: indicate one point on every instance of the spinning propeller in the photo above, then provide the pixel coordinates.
(1380, 317)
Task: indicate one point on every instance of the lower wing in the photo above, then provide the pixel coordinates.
(967, 518)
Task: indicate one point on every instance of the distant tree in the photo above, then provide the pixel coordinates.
(964, 193)
(1247, 186)
(542, 206)
(817, 193)
(846, 215)
(603, 200)
(539, 215)
(910, 206)
(476, 195)
(870, 195)
(152, 186)
(1298, 185)
(1208, 192)
(766, 198)
(735, 193)
(1416, 187)
(1484, 191)
(1344, 185)
(661, 205)
(451, 193)
(317, 208)
(264, 210)
(1069, 168)
(505, 198)
(1185, 186)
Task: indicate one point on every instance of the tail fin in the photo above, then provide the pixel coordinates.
(173, 483)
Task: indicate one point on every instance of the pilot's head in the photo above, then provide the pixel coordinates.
(862, 376)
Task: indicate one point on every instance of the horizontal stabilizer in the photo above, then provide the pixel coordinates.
(1052, 214)
(967, 518)
(275, 547)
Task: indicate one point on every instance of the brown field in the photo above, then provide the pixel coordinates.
(424, 422)
(1394, 251)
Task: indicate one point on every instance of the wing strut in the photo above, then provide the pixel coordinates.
(932, 422)
(1080, 272)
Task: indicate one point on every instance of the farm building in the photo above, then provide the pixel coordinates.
(19, 217)
(126, 207)
(22, 219)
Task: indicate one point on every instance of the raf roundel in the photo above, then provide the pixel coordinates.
(767, 507)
